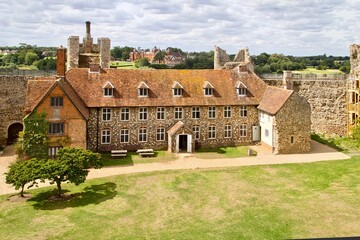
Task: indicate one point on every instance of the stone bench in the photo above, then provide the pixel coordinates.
(118, 153)
(145, 152)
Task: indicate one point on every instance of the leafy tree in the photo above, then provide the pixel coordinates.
(159, 56)
(71, 165)
(121, 53)
(23, 172)
(30, 57)
(142, 62)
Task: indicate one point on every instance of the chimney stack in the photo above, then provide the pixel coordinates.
(60, 62)
(88, 34)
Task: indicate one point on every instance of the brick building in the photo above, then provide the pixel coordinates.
(101, 109)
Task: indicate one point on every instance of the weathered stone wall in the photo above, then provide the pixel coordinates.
(95, 125)
(292, 126)
(327, 99)
(220, 58)
(12, 100)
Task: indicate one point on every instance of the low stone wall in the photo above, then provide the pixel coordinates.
(12, 100)
(327, 99)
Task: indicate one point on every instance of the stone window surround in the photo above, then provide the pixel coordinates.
(142, 134)
(160, 113)
(56, 128)
(196, 130)
(124, 114)
(106, 136)
(243, 130)
(143, 113)
(243, 111)
(124, 135)
(160, 134)
(211, 112)
(227, 112)
(106, 114)
(57, 101)
(195, 113)
(212, 132)
(178, 113)
(227, 131)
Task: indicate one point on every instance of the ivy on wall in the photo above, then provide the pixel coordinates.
(33, 140)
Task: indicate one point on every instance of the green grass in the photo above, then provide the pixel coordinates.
(223, 152)
(311, 70)
(343, 144)
(123, 65)
(134, 158)
(257, 202)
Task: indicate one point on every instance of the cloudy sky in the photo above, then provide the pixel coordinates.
(292, 27)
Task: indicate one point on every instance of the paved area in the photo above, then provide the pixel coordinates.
(319, 152)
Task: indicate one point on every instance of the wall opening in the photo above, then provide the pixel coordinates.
(183, 143)
(13, 132)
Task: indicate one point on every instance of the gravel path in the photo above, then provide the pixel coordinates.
(319, 152)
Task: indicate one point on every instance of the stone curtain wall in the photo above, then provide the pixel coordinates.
(151, 124)
(327, 99)
(12, 100)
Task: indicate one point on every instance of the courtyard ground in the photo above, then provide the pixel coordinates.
(319, 152)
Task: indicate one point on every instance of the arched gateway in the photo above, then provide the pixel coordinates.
(13, 132)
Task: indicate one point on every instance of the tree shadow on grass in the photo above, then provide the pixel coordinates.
(93, 194)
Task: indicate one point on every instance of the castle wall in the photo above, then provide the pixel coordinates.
(327, 99)
(12, 100)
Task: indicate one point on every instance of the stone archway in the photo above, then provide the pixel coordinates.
(13, 132)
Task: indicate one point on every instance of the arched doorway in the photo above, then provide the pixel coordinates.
(13, 132)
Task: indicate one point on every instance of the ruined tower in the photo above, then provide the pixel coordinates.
(87, 54)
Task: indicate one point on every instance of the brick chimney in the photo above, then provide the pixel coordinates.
(60, 62)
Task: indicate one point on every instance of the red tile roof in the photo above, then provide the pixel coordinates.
(160, 82)
(274, 98)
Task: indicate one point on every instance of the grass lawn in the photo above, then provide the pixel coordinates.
(343, 144)
(134, 158)
(224, 152)
(123, 65)
(257, 202)
(311, 70)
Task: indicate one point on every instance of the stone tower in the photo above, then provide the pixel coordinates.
(87, 54)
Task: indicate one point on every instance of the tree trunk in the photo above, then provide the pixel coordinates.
(58, 184)
(22, 190)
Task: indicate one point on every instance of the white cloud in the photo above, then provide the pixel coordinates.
(307, 27)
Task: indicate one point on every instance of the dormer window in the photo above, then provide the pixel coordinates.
(177, 89)
(143, 90)
(208, 89)
(241, 89)
(108, 89)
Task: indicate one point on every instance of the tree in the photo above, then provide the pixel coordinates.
(23, 172)
(30, 57)
(159, 56)
(71, 165)
(142, 62)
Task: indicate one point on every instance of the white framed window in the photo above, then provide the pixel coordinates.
(212, 132)
(160, 113)
(177, 92)
(108, 92)
(124, 135)
(52, 151)
(178, 112)
(56, 102)
(142, 135)
(243, 130)
(227, 112)
(143, 113)
(211, 112)
(208, 91)
(56, 128)
(196, 130)
(241, 89)
(266, 133)
(195, 113)
(106, 114)
(125, 114)
(227, 131)
(105, 136)
(143, 90)
(160, 134)
(243, 111)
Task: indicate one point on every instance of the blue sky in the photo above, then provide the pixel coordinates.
(292, 27)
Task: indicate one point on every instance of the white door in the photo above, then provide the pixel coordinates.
(189, 145)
